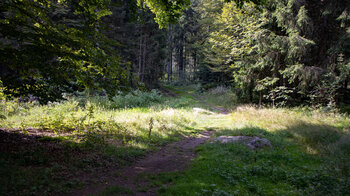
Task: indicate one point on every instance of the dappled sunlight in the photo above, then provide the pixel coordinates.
(303, 159)
(300, 139)
(93, 92)
(285, 168)
(318, 133)
(304, 142)
(277, 119)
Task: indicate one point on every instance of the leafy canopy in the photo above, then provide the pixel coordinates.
(168, 11)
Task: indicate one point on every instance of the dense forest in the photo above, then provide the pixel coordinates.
(288, 52)
(175, 97)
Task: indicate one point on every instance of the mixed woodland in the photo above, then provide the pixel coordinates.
(287, 53)
(90, 88)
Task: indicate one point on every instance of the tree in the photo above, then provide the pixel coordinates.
(49, 47)
(289, 50)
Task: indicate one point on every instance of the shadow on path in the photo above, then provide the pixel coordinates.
(170, 158)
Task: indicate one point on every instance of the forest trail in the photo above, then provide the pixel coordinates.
(171, 93)
(221, 110)
(170, 158)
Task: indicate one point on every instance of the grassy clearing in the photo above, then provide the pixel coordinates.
(46, 148)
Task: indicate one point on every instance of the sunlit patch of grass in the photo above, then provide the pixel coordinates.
(285, 169)
(310, 155)
(310, 150)
(116, 136)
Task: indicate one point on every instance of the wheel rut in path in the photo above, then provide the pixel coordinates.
(170, 158)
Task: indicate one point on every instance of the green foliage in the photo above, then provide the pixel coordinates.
(48, 47)
(281, 96)
(166, 11)
(275, 48)
(136, 99)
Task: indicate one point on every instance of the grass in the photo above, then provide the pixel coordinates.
(310, 156)
(220, 96)
(44, 148)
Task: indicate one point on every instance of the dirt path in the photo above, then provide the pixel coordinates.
(167, 92)
(172, 94)
(172, 157)
(221, 110)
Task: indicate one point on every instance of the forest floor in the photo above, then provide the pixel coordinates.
(86, 147)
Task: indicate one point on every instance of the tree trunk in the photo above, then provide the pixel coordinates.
(250, 89)
(180, 60)
(170, 60)
(140, 58)
(260, 99)
(144, 59)
(185, 63)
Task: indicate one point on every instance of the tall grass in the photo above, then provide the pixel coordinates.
(309, 146)
(127, 116)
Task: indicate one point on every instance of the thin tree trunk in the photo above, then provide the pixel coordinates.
(180, 58)
(170, 60)
(144, 59)
(185, 62)
(260, 99)
(194, 64)
(140, 58)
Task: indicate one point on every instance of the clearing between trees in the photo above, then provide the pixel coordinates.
(143, 143)
(250, 97)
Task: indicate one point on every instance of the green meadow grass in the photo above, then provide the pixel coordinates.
(310, 153)
(310, 156)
